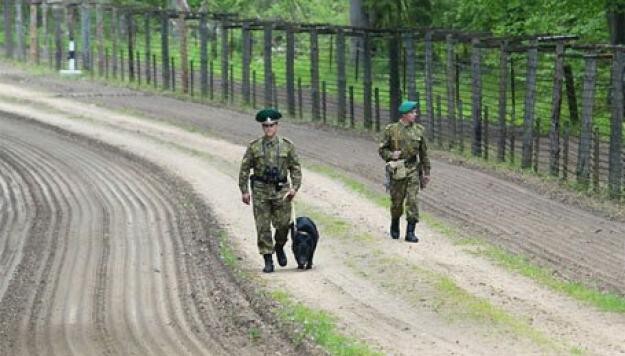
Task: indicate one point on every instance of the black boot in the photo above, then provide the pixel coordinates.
(281, 255)
(395, 229)
(268, 263)
(410, 236)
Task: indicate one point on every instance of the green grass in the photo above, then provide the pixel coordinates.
(320, 326)
(450, 300)
(604, 301)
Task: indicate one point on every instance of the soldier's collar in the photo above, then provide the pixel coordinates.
(270, 141)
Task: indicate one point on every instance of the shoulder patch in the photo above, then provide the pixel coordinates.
(286, 140)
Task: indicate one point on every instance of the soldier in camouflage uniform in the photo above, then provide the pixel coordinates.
(404, 148)
(270, 157)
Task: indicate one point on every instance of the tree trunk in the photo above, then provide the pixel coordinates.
(357, 18)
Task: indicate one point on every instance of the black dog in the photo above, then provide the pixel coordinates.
(304, 242)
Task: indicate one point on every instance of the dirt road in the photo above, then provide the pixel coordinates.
(386, 293)
(95, 256)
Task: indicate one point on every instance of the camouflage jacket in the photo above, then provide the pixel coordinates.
(262, 154)
(407, 138)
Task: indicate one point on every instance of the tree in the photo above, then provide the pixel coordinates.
(615, 11)
(398, 13)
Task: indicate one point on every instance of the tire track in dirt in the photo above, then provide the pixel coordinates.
(103, 268)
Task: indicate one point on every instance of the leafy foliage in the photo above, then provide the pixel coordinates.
(399, 13)
(515, 17)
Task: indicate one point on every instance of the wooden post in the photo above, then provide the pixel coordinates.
(232, 83)
(154, 77)
(34, 40)
(85, 22)
(19, 30)
(367, 84)
(225, 61)
(486, 132)
(211, 75)
(503, 85)
(595, 161)
(585, 137)
(314, 73)
(274, 90)
(411, 70)
(131, 46)
(556, 104)
(476, 97)
(121, 64)
(8, 28)
(352, 121)
(394, 84)
(165, 72)
(58, 42)
(299, 97)
(616, 126)
(451, 90)
(341, 82)
(536, 145)
(530, 102)
(267, 31)
(570, 93)
(290, 70)
(184, 57)
(114, 31)
(99, 29)
(148, 46)
(377, 109)
(461, 125)
(173, 74)
(512, 104)
(323, 101)
(565, 153)
(439, 119)
(512, 139)
(203, 55)
(45, 38)
(138, 68)
(254, 88)
(429, 84)
(246, 60)
(191, 78)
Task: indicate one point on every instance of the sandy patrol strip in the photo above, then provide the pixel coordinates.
(382, 304)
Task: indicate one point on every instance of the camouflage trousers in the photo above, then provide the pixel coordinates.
(270, 209)
(405, 190)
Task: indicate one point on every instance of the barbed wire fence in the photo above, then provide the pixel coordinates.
(543, 102)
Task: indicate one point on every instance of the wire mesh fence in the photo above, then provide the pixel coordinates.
(541, 102)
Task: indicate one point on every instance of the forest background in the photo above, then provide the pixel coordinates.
(591, 20)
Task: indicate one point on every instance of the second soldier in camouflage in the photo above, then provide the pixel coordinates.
(404, 148)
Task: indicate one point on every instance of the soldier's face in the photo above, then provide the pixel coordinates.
(270, 129)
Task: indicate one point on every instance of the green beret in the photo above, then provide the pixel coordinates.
(407, 106)
(268, 115)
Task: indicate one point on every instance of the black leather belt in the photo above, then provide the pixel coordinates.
(264, 180)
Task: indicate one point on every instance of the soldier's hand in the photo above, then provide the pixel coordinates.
(245, 198)
(395, 154)
(291, 194)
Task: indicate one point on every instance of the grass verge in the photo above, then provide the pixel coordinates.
(604, 301)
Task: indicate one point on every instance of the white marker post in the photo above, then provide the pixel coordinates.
(72, 60)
